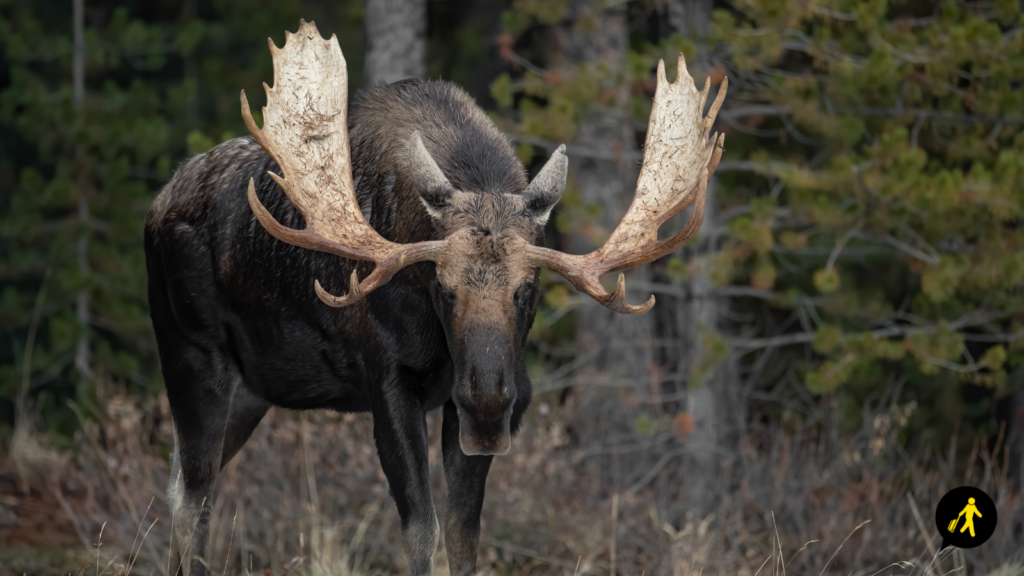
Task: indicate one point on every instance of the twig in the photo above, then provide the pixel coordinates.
(26, 359)
(920, 523)
(1001, 337)
(58, 493)
(802, 548)
(966, 321)
(364, 523)
(765, 562)
(231, 538)
(847, 16)
(314, 496)
(840, 245)
(653, 472)
(118, 486)
(99, 542)
(772, 341)
(901, 245)
(614, 532)
(139, 551)
(918, 124)
(139, 531)
(841, 547)
(533, 554)
(778, 541)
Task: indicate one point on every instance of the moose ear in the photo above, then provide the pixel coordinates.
(546, 189)
(434, 189)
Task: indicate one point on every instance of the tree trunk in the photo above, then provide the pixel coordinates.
(83, 353)
(618, 345)
(715, 403)
(1015, 432)
(690, 18)
(396, 40)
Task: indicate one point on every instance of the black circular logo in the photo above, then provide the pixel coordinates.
(966, 517)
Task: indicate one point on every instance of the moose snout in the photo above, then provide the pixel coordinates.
(485, 413)
(484, 438)
(484, 393)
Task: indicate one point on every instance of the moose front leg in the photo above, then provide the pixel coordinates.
(465, 476)
(400, 433)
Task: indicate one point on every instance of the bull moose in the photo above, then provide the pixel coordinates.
(423, 197)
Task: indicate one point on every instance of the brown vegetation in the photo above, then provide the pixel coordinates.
(306, 495)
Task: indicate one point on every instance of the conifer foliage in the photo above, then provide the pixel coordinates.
(161, 82)
(872, 187)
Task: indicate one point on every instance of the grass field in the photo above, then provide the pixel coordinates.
(306, 496)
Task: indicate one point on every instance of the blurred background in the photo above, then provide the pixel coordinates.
(843, 342)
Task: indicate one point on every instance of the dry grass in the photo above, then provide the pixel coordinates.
(306, 496)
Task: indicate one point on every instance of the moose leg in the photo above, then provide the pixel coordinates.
(398, 429)
(246, 412)
(465, 476)
(200, 407)
(207, 434)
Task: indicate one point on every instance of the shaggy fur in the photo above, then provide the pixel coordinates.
(240, 328)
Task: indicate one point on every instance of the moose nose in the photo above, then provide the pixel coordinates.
(485, 392)
(487, 366)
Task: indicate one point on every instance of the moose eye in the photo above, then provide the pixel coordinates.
(447, 294)
(524, 293)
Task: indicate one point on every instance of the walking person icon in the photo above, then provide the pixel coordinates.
(975, 521)
(970, 511)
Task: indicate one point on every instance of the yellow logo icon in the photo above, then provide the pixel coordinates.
(966, 517)
(968, 513)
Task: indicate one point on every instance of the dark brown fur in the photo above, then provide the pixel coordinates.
(240, 328)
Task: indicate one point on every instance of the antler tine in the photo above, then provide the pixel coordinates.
(715, 106)
(381, 275)
(305, 131)
(617, 299)
(355, 292)
(679, 158)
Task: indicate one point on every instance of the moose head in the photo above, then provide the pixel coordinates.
(487, 259)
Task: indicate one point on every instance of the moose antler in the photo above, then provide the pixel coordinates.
(679, 157)
(305, 130)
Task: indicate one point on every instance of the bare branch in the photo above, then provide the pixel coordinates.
(575, 150)
(772, 341)
(961, 368)
(931, 256)
(840, 245)
(752, 110)
(1001, 337)
(847, 16)
(975, 318)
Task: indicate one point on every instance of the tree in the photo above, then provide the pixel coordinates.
(888, 241)
(72, 226)
(91, 124)
(715, 404)
(396, 40)
(870, 197)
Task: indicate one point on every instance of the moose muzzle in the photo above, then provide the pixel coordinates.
(485, 391)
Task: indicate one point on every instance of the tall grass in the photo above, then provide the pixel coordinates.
(306, 496)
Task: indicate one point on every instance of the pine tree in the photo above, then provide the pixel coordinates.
(871, 195)
(80, 167)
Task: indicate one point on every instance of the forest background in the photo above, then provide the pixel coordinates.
(844, 341)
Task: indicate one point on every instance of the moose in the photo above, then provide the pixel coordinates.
(420, 195)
